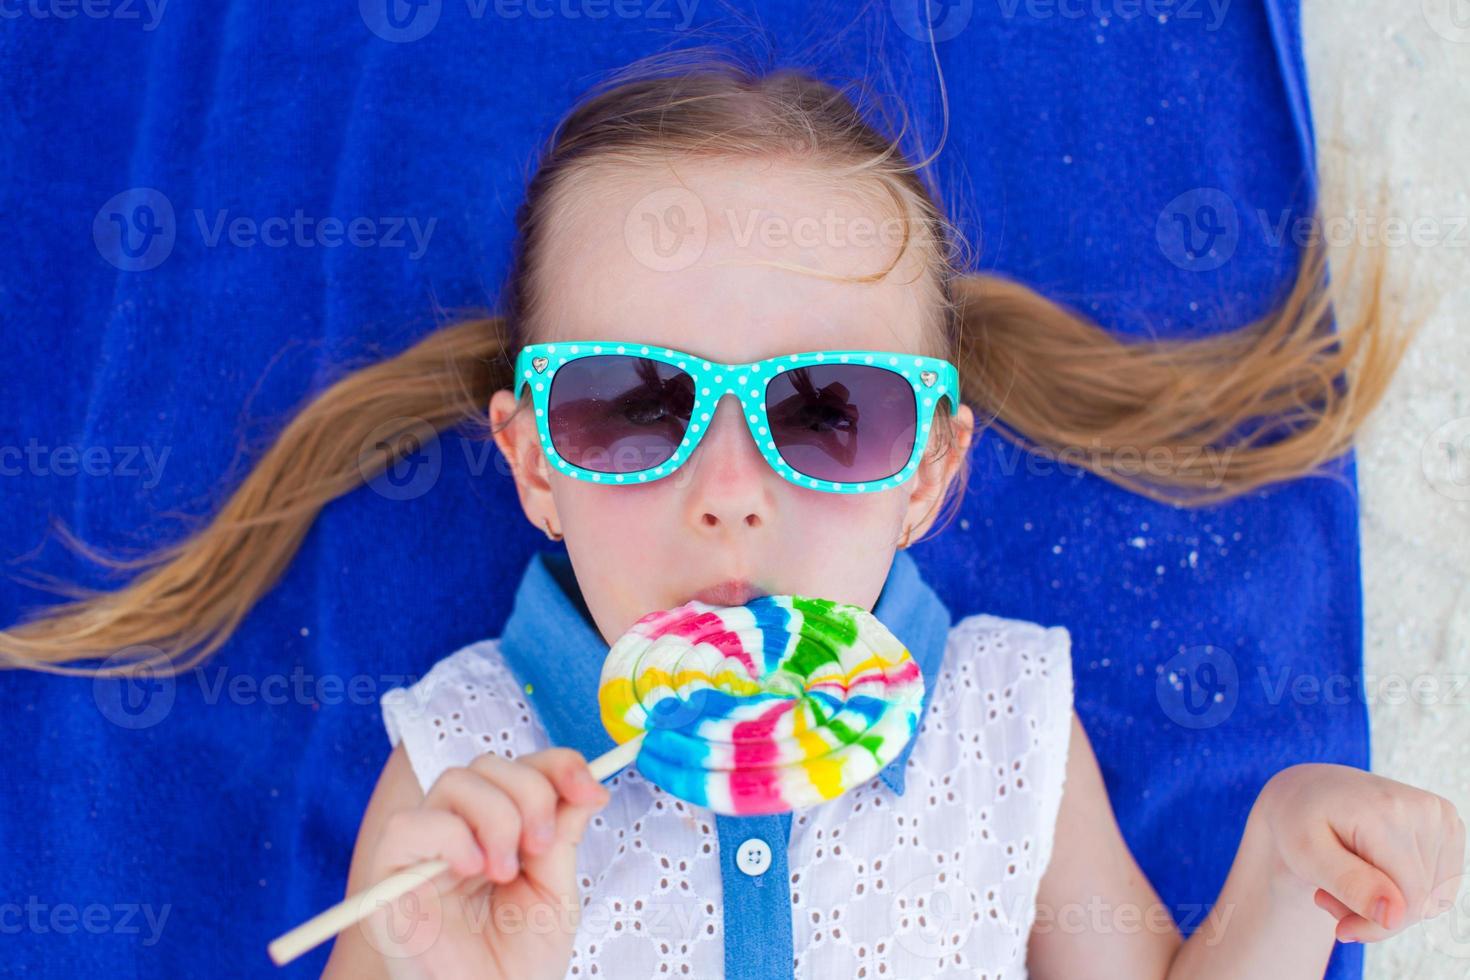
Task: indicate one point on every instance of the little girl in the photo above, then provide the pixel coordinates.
(756, 234)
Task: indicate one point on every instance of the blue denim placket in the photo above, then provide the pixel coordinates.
(757, 908)
(555, 650)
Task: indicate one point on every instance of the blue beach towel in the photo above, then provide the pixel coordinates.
(160, 311)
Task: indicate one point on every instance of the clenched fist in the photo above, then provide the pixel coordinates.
(1380, 855)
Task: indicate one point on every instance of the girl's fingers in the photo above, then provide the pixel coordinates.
(1325, 900)
(515, 824)
(520, 809)
(1354, 928)
(532, 793)
(412, 836)
(572, 818)
(581, 796)
(1408, 860)
(1351, 927)
(1356, 884)
(567, 771)
(491, 814)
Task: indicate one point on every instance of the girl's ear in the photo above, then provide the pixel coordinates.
(937, 470)
(516, 435)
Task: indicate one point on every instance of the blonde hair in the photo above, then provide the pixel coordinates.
(1046, 377)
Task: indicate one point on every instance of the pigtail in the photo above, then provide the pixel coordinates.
(1189, 421)
(191, 595)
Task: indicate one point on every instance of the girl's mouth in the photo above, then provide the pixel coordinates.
(734, 592)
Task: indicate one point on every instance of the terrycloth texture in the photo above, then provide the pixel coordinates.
(230, 801)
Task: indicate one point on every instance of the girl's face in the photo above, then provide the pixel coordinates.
(668, 259)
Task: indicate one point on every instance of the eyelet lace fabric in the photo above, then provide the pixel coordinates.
(940, 881)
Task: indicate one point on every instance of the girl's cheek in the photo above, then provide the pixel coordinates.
(859, 511)
(613, 514)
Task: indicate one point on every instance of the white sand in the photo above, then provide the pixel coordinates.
(1390, 91)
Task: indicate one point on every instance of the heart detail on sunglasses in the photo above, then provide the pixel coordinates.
(928, 377)
(539, 363)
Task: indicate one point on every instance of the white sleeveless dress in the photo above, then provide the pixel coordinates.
(938, 882)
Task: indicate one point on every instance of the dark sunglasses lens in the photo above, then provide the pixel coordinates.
(616, 413)
(846, 423)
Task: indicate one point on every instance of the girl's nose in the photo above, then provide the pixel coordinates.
(729, 480)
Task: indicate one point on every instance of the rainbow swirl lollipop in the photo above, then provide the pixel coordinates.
(780, 703)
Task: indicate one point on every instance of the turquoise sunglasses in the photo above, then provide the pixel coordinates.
(840, 421)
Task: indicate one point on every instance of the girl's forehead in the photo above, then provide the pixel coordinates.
(693, 259)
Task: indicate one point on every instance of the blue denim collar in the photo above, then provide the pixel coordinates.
(556, 652)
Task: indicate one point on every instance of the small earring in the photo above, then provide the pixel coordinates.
(546, 523)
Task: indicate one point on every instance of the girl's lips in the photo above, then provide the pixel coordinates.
(734, 592)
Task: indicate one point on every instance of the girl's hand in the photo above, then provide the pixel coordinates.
(1380, 855)
(508, 905)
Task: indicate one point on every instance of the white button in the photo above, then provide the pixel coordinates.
(753, 857)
